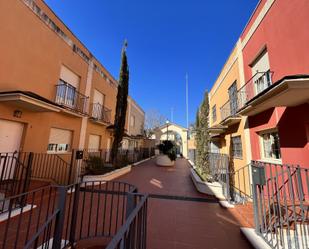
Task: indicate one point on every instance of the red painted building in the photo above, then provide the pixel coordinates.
(276, 68)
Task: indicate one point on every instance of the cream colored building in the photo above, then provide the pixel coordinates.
(229, 132)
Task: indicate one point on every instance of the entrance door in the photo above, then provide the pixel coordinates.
(10, 138)
(10, 135)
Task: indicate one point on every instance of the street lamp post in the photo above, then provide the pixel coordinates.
(167, 123)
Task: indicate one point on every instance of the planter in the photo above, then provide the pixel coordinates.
(163, 160)
(210, 188)
(108, 176)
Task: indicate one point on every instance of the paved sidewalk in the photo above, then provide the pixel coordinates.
(175, 224)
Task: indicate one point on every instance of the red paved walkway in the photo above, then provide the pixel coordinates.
(174, 224)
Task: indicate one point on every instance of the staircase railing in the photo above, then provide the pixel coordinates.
(281, 204)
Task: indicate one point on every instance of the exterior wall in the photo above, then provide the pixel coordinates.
(281, 28)
(138, 113)
(219, 96)
(32, 53)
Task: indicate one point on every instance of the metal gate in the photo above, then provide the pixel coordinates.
(281, 204)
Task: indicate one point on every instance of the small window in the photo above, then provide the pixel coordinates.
(94, 142)
(271, 145)
(59, 140)
(214, 114)
(132, 121)
(237, 147)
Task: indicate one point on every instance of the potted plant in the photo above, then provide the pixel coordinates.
(167, 155)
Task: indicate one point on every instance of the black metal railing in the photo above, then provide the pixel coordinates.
(103, 158)
(281, 204)
(58, 169)
(15, 170)
(100, 113)
(254, 86)
(236, 184)
(63, 216)
(68, 97)
(133, 233)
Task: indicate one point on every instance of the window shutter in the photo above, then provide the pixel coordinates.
(68, 76)
(94, 142)
(98, 98)
(261, 65)
(60, 136)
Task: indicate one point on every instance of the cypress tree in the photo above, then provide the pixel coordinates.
(202, 135)
(121, 105)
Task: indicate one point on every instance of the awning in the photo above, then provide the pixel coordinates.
(28, 100)
(290, 91)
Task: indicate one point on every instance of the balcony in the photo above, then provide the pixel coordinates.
(100, 113)
(255, 86)
(260, 93)
(228, 112)
(68, 97)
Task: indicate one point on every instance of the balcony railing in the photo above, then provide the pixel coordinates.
(229, 108)
(69, 97)
(257, 84)
(100, 113)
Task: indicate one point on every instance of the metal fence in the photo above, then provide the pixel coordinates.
(281, 204)
(236, 184)
(18, 168)
(14, 174)
(134, 233)
(63, 216)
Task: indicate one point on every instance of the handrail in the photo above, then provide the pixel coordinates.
(126, 226)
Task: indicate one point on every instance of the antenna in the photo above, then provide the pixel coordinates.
(187, 101)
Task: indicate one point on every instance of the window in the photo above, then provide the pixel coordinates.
(94, 142)
(261, 72)
(66, 89)
(98, 104)
(214, 147)
(233, 98)
(236, 147)
(271, 145)
(132, 122)
(214, 114)
(59, 140)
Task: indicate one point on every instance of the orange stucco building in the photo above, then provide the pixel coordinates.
(54, 94)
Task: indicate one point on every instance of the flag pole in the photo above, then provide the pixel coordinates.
(187, 101)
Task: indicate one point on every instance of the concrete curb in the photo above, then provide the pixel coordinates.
(255, 240)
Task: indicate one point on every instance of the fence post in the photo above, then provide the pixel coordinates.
(131, 202)
(74, 214)
(71, 166)
(255, 183)
(28, 172)
(228, 194)
(59, 218)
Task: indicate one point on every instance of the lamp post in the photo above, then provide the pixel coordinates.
(167, 123)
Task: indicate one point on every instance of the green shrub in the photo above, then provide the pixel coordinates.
(96, 166)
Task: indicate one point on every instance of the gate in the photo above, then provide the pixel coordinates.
(62, 217)
(281, 204)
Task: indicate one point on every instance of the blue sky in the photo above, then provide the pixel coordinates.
(166, 38)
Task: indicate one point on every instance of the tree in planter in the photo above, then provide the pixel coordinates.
(168, 148)
(202, 136)
(121, 105)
